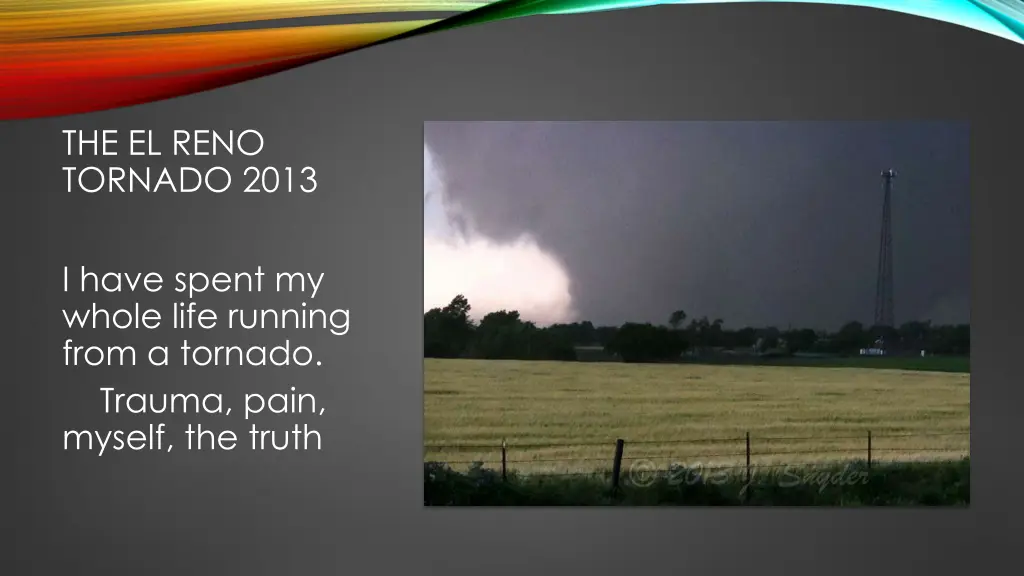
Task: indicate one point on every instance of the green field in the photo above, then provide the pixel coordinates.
(960, 364)
(956, 364)
(565, 417)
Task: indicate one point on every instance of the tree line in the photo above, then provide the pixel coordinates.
(449, 332)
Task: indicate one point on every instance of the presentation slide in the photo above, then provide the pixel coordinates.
(634, 286)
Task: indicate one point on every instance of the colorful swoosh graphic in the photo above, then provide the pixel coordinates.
(60, 57)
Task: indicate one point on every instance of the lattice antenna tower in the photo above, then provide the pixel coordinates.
(884, 315)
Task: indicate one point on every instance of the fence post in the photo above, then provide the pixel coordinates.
(869, 450)
(746, 493)
(504, 472)
(617, 465)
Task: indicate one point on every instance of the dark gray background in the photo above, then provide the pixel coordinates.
(356, 506)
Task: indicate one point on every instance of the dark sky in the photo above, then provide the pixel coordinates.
(753, 222)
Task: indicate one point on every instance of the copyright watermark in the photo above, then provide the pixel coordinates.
(642, 473)
(645, 473)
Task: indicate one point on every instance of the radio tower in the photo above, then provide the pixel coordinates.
(883, 291)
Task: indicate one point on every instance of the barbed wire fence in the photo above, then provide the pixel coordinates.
(872, 448)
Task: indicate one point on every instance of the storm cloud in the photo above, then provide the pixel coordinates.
(513, 274)
(757, 223)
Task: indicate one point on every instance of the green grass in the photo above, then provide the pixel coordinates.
(566, 416)
(853, 484)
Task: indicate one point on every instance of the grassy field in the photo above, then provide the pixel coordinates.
(955, 364)
(959, 364)
(565, 417)
(943, 484)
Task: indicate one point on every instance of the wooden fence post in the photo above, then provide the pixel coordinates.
(504, 471)
(869, 450)
(746, 493)
(617, 465)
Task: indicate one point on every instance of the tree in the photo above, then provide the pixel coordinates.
(715, 333)
(646, 343)
(503, 335)
(500, 335)
(436, 343)
(851, 337)
(802, 340)
(577, 333)
(768, 339)
(459, 308)
(676, 319)
(448, 331)
(887, 336)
